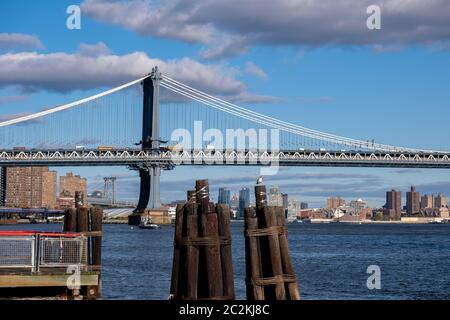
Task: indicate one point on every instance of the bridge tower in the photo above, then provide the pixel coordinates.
(149, 196)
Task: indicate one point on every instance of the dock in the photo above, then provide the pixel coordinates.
(52, 265)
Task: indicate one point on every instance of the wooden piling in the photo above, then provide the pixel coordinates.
(253, 257)
(177, 250)
(292, 286)
(270, 221)
(79, 199)
(209, 229)
(263, 242)
(260, 196)
(82, 219)
(223, 214)
(191, 196)
(70, 220)
(96, 221)
(192, 251)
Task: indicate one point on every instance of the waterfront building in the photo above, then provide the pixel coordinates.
(412, 201)
(224, 196)
(427, 202)
(30, 187)
(358, 205)
(334, 203)
(394, 204)
(244, 201)
(2, 186)
(294, 209)
(444, 213)
(69, 184)
(440, 201)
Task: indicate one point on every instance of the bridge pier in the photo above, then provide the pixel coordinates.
(149, 195)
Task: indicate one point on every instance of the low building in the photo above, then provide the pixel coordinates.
(65, 202)
(69, 184)
(444, 213)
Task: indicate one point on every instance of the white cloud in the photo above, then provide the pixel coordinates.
(256, 71)
(71, 71)
(93, 50)
(9, 41)
(225, 46)
(168, 20)
(240, 24)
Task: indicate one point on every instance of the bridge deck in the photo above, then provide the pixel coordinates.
(169, 159)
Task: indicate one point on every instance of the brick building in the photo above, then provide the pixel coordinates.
(69, 184)
(30, 187)
(413, 201)
(394, 204)
(334, 203)
(2, 186)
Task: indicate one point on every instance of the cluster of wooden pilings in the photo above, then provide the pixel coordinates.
(87, 221)
(202, 263)
(269, 271)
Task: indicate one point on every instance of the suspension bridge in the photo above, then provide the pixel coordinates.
(156, 123)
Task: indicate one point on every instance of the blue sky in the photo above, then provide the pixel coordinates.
(391, 85)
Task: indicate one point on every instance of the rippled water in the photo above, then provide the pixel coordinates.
(330, 260)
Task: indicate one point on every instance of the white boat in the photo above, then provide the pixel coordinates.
(148, 224)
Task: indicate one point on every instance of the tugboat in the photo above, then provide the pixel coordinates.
(148, 224)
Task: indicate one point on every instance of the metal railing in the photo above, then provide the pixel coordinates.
(62, 251)
(36, 250)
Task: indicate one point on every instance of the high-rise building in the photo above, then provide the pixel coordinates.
(427, 202)
(440, 202)
(412, 201)
(224, 196)
(303, 205)
(334, 203)
(244, 201)
(2, 186)
(394, 204)
(30, 187)
(275, 197)
(234, 201)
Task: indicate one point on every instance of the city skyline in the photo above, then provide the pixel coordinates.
(346, 87)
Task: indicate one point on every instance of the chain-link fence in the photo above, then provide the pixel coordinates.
(17, 251)
(62, 252)
(42, 250)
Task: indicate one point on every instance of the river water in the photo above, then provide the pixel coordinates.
(331, 260)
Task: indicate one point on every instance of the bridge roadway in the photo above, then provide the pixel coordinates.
(169, 159)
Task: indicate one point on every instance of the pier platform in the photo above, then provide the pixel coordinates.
(47, 265)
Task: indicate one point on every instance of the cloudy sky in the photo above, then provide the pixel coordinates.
(313, 63)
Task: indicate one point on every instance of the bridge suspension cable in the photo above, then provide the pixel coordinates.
(69, 105)
(220, 104)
